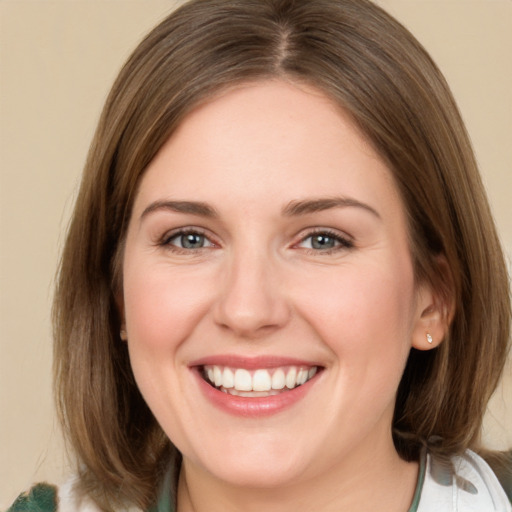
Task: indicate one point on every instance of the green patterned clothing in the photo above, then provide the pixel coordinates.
(468, 485)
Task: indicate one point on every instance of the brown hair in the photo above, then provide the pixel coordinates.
(376, 71)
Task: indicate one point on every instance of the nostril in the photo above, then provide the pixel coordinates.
(250, 305)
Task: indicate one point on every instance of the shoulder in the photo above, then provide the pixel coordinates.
(40, 498)
(44, 497)
(467, 484)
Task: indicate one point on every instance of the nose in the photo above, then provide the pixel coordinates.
(251, 302)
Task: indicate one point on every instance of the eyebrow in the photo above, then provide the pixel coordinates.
(306, 206)
(190, 207)
(292, 209)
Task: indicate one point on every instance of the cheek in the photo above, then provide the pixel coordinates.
(364, 313)
(162, 308)
(148, 310)
(161, 305)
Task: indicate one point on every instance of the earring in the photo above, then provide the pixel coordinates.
(429, 338)
(123, 334)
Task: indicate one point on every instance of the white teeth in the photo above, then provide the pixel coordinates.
(261, 382)
(302, 377)
(243, 380)
(291, 378)
(278, 379)
(217, 376)
(228, 380)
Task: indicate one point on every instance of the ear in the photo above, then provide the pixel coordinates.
(434, 310)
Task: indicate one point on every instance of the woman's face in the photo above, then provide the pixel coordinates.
(269, 296)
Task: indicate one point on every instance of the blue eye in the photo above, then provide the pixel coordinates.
(322, 241)
(189, 240)
(325, 242)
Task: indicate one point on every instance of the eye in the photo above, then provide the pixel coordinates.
(188, 240)
(325, 241)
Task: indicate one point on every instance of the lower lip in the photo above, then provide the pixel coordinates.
(257, 406)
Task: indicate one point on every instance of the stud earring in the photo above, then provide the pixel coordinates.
(429, 338)
(123, 334)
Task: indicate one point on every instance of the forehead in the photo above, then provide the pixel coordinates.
(268, 140)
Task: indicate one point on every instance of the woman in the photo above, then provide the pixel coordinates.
(282, 286)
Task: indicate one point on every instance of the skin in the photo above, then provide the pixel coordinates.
(258, 286)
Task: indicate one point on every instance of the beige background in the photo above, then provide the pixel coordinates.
(58, 59)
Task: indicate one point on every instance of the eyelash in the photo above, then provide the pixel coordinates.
(343, 243)
(168, 237)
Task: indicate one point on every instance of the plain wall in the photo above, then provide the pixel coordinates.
(57, 62)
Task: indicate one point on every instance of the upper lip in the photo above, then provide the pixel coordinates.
(253, 362)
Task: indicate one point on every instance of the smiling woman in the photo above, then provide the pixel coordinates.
(281, 288)
(296, 312)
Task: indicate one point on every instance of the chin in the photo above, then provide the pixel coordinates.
(258, 464)
(267, 473)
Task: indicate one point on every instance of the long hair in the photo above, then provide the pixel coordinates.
(373, 68)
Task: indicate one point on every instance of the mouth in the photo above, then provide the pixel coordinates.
(258, 382)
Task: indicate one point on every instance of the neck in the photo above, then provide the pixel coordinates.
(376, 480)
